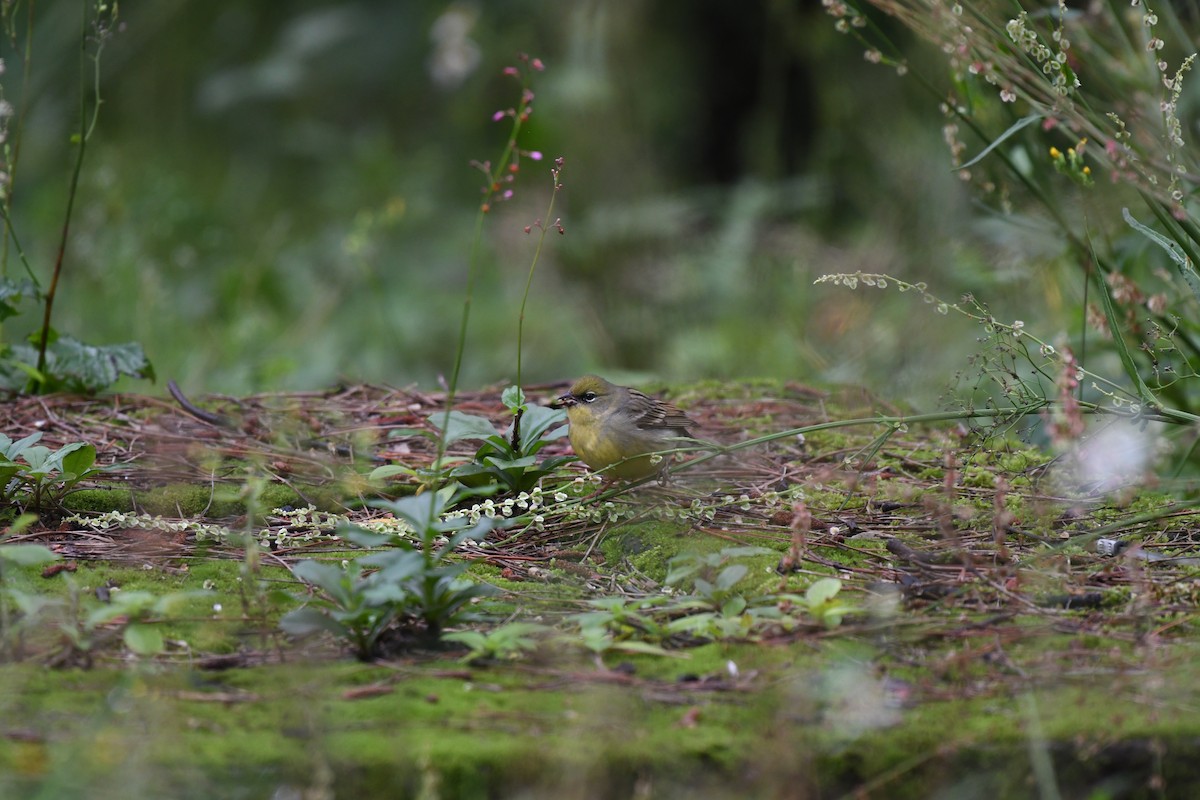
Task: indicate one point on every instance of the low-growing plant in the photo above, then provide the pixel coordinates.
(503, 643)
(506, 462)
(83, 626)
(34, 476)
(715, 609)
(712, 577)
(823, 604)
(413, 586)
(622, 624)
(49, 361)
(499, 179)
(508, 459)
(131, 616)
(13, 556)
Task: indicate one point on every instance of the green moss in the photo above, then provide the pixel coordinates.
(979, 477)
(379, 731)
(805, 713)
(747, 389)
(100, 500)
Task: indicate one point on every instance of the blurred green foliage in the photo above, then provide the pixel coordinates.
(279, 195)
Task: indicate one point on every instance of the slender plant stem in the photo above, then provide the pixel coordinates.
(494, 174)
(12, 234)
(542, 230)
(541, 225)
(452, 386)
(86, 127)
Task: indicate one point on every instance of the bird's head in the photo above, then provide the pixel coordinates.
(591, 393)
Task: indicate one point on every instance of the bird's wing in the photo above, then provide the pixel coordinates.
(651, 414)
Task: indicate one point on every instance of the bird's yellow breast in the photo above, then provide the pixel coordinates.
(600, 443)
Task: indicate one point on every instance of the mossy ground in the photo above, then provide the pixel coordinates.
(992, 653)
(810, 721)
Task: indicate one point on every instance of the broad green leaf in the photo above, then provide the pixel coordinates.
(134, 602)
(78, 460)
(13, 449)
(733, 606)
(476, 532)
(169, 603)
(696, 624)
(680, 571)
(12, 294)
(731, 575)
(832, 615)
(307, 621)
(421, 511)
(472, 639)
(822, 591)
(395, 564)
(8, 471)
(325, 576)
(27, 555)
(31, 604)
(517, 630)
(124, 604)
(17, 371)
(462, 426)
(646, 648)
(513, 397)
(390, 470)
(365, 538)
(535, 422)
(518, 464)
(145, 640)
(74, 366)
(37, 457)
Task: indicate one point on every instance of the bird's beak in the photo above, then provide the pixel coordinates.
(566, 401)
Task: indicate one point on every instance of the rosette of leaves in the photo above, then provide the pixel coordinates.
(33, 475)
(504, 459)
(409, 584)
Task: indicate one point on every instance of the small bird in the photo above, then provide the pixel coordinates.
(614, 428)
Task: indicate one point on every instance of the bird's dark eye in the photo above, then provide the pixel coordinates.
(588, 397)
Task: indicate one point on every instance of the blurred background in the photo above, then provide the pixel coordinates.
(279, 195)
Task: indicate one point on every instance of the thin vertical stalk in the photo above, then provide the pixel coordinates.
(86, 127)
(496, 177)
